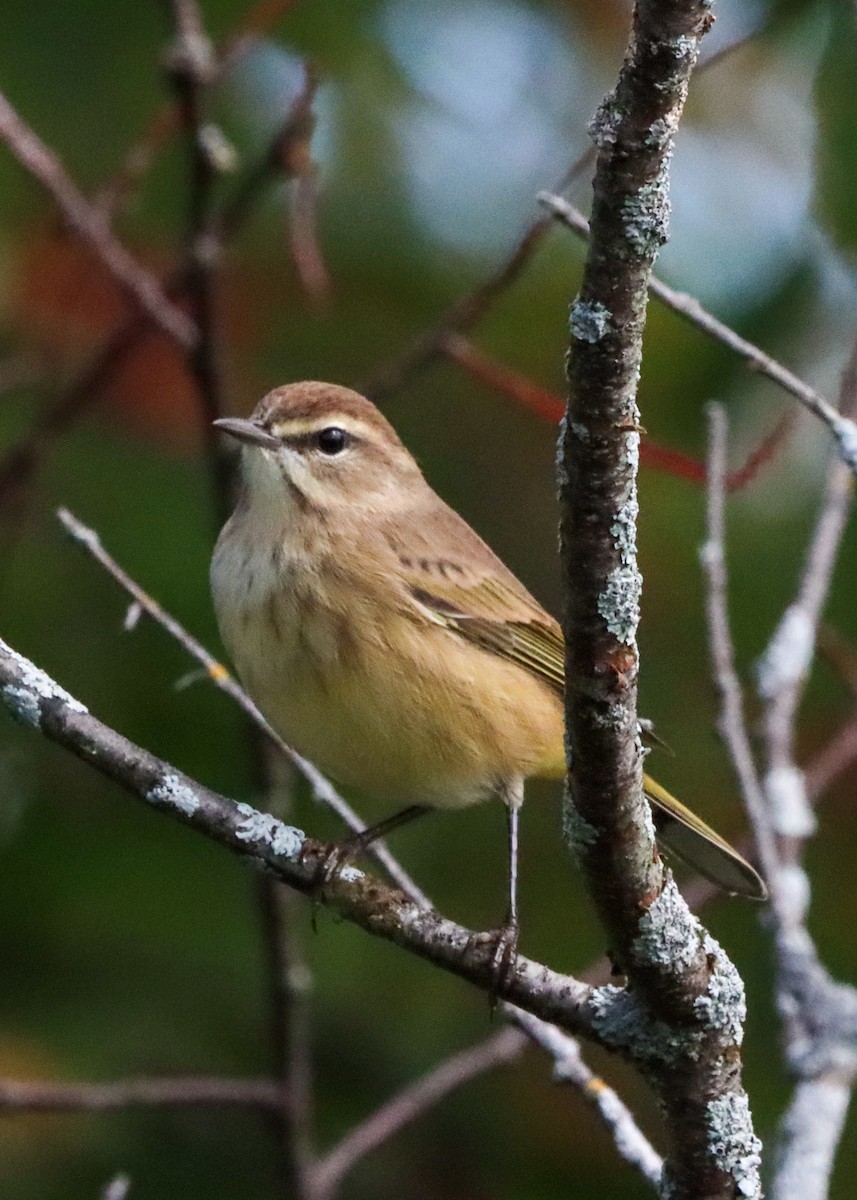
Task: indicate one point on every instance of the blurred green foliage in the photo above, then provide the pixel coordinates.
(130, 946)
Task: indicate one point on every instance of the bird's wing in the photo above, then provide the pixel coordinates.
(468, 589)
(450, 576)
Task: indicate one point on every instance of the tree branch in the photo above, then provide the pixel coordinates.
(87, 223)
(180, 1091)
(843, 429)
(322, 789)
(674, 967)
(293, 858)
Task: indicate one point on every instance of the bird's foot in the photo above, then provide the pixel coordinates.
(327, 869)
(504, 957)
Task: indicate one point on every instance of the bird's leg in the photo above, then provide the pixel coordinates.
(506, 937)
(353, 847)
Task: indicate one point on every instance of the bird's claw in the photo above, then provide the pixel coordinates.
(503, 961)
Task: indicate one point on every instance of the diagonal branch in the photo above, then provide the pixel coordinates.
(293, 858)
(842, 427)
(87, 223)
(322, 789)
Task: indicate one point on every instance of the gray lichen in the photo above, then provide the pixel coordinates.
(624, 1023)
(24, 698)
(589, 321)
(791, 812)
(645, 216)
(266, 830)
(579, 834)
(734, 1144)
(669, 934)
(619, 603)
(604, 125)
(624, 530)
(788, 655)
(724, 1005)
(172, 793)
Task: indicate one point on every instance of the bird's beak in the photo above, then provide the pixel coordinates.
(248, 431)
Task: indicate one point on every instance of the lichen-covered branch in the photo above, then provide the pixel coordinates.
(679, 975)
(293, 858)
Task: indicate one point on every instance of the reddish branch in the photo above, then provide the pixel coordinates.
(550, 407)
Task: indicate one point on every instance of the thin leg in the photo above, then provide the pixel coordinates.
(506, 937)
(512, 814)
(354, 846)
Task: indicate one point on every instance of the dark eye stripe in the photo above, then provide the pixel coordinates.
(310, 440)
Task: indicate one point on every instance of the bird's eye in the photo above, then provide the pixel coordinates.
(333, 440)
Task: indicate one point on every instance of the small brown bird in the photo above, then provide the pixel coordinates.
(385, 641)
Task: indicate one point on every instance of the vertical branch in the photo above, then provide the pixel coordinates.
(678, 974)
(599, 452)
(819, 1015)
(191, 64)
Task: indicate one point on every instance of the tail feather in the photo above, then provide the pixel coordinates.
(695, 843)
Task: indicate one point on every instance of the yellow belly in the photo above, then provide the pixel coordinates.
(403, 710)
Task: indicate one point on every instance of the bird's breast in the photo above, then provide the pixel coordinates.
(377, 699)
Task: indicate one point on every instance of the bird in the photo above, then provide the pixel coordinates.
(384, 640)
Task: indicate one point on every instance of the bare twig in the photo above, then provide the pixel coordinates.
(190, 64)
(673, 965)
(180, 1091)
(21, 460)
(843, 428)
(323, 791)
(570, 1068)
(168, 121)
(469, 309)
(731, 723)
(819, 1015)
(410, 1103)
(136, 281)
(551, 407)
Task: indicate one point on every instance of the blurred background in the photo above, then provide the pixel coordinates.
(130, 946)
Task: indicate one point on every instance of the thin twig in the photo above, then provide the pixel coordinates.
(469, 309)
(323, 791)
(731, 722)
(167, 121)
(570, 1068)
(843, 428)
(410, 1103)
(550, 406)
(190, 65)
(87, 223)
(180, 1091)
(819, 1015)
(22, 458)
